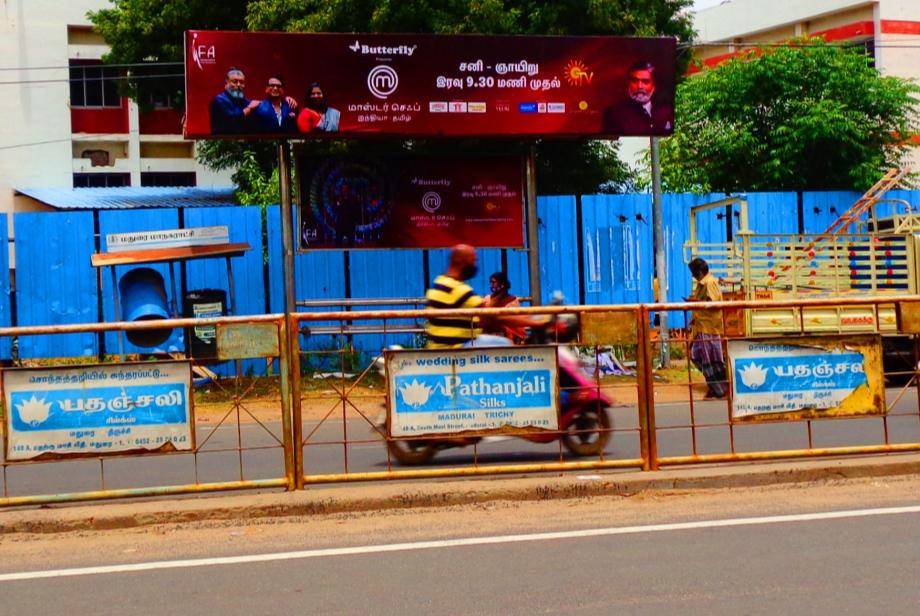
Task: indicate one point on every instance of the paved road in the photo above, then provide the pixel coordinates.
(219, 459)
(838, 548)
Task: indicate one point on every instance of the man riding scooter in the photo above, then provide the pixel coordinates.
(584, 420)
(450, 291)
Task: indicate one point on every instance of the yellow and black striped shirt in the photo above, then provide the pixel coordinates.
(450, 332)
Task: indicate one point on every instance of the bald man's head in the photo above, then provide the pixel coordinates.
(462, 262)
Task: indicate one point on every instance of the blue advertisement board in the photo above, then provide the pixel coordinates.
(472, 390)
(101, 409)
(816, 376)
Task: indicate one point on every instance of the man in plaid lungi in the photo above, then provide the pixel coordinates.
(706, 331)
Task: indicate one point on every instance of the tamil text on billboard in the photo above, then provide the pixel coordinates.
(97, 410)
(271, 85)
(815, 377)
(415, 202)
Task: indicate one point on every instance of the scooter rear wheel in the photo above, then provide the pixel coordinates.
(589, 433)
(412, 453)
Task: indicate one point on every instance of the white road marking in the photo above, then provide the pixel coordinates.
(451, 543)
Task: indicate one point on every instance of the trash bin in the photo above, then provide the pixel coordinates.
(201, 341)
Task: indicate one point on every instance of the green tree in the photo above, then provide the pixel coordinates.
(138, 30)
(808, 116)
(151, 31)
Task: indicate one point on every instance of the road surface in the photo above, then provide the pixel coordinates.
(324, 453)
(840, 547)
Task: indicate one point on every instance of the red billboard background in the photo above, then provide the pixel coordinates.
(349, 202)
(417, 85)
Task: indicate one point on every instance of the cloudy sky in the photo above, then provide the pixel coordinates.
(705, 4)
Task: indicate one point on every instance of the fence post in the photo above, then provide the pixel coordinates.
(661, 259)
(288, 393)
(289, 325)
(648, 442)
(296, 410)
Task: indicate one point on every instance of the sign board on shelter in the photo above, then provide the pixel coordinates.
(424, 85)
(167, 238)
(97, 410)
(478, 390)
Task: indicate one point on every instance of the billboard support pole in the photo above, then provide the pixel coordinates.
(661, 262)
(290, 397)
(533, 243)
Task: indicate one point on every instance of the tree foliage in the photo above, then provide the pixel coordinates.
(139, 30)
(809, 116)
(151, 31)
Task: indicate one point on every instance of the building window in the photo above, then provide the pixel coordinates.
(93, 85)
(866, 46)
(167, 178)
(101, 180)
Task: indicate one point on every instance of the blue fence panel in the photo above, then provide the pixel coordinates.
(385, 274)
(820, 209)
(317, 275)
(676, 223)
(245, 225)
(519, 272)
(772, 213)
(55, 281)
(558, 245)
(129, 221)
(5, 313)
(618, 251)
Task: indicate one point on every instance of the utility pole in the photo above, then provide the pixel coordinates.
(661, 262)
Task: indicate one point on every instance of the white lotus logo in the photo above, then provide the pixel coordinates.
(415, 394)
(33, 411)
(753, 376)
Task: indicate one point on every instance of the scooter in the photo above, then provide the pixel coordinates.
(585, 423)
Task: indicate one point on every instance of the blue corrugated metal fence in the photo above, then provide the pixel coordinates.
(594, 249)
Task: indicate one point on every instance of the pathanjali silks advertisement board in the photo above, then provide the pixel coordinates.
(98, 410)
(820, 376)
(471, 391)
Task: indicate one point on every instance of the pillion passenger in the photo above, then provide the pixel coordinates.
(450, 291)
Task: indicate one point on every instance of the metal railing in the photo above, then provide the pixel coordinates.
(313, 411)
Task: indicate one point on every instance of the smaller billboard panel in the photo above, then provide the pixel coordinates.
(472, 391)
(414, 202)
(97, 410)
(815, 377)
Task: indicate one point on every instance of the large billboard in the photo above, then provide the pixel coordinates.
(410, 202)
(275, 85)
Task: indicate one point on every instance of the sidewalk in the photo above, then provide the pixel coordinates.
(365, 497)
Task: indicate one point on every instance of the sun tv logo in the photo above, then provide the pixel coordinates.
(382, 81)
(202, 54)
(33, 411)
(753, 376)
(577, 73)
(415, 394)
(431, 201)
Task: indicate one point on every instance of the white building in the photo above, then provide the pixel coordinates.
(889, 30)
(64, 124)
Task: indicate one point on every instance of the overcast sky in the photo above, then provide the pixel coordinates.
(705, 4)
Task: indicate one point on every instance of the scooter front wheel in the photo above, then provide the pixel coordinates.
(589, 433)
(412, 453)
